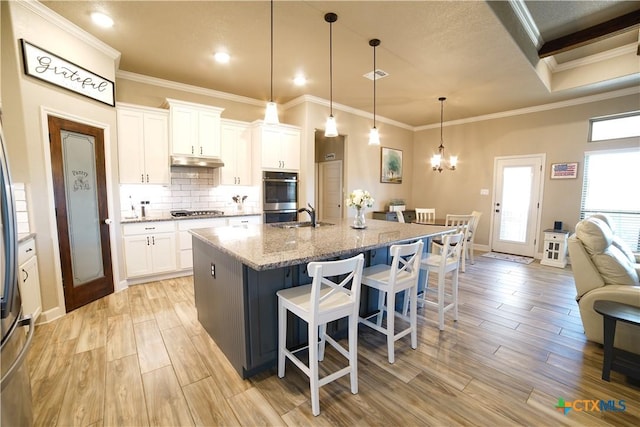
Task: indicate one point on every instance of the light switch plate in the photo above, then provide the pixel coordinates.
(484, 191)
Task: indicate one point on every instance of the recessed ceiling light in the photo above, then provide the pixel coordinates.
(102, 20)
(299, 80)
(221, 57)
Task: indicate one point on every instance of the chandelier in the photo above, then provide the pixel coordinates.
(438, 162)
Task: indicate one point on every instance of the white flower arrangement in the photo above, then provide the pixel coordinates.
(360, 199)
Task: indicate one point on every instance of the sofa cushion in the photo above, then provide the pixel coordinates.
(595, 235)
(612, 263)
(614, 267)
(620, 244)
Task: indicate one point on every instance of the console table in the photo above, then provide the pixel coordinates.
(616, 359)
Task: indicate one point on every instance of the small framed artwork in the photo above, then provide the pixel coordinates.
(390, 165)
(564, 170)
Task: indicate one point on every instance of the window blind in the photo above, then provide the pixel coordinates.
(611, 186)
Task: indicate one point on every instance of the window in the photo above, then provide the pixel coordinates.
(613, 127)
(611, 187)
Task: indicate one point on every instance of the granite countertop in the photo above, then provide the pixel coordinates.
(23, 237)
(265, 247)
(167, 217)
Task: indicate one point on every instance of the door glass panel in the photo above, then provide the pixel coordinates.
(78, 157)
(516, 194)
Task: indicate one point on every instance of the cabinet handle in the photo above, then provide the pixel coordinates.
(142, 178)
(29, 250)
(147, 177)
(238, 180)
(200, 150)
(192, 149)
(149, 228)
(147, 240)
(153, 240)
(26, 275)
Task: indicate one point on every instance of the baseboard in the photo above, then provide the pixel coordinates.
(50, 315)
(154, 278)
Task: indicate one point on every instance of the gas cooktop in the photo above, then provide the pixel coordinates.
(183, 212)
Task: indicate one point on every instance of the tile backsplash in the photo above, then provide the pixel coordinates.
(22, 212)
(191, 188)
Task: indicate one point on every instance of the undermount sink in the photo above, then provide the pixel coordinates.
(299, 224)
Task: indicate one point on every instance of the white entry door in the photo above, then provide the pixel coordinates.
(330, 191)
(516, 206)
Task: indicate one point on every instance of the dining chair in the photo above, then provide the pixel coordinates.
(400, 276)
(447, 261)
(471, 236)
(426, 215)
(317, 304)
(461, 224)
(400, 216)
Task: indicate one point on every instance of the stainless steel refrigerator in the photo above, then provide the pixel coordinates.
(15, 389)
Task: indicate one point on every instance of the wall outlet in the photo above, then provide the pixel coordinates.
(484, 191)
(213, 270)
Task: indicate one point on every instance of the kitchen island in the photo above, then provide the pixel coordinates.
(238, 270)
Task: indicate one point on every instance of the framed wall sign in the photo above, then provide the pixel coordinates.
(390, 165)
(564, 170)
(52, 69)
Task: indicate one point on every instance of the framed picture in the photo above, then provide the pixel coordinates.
(57, 71)
(390, 165)
(564, 170)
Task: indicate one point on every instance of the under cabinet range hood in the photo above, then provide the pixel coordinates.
(200, 162)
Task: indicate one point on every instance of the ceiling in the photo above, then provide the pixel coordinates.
(477, 54)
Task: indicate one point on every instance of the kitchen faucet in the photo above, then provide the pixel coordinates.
(312, 214)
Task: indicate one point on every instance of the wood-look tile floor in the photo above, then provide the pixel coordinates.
(139, 357)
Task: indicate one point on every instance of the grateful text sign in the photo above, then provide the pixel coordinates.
(52, 69)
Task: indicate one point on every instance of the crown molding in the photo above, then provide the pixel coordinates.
(154, 81)
(537, 108)
(592, 59)
(528, 24)
(341, 107)
(69, 27)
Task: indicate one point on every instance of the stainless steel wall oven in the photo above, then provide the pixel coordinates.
(280, 196)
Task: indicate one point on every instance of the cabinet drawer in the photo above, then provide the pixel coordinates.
(188, 224)
(148, 228)
(26, 250)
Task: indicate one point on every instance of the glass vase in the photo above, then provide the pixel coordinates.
(359, 221)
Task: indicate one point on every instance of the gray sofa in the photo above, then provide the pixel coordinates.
(604, 269)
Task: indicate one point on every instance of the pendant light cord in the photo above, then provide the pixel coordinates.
(271, 95)
(441, 119)
(331, 69)
(374, 86)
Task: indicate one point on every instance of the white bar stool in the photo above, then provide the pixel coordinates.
(448, 260)
(317, 304)
(400, 276)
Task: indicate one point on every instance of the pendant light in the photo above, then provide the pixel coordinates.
(271, 114)
(438, 160)
(331, 128)
(374, 136)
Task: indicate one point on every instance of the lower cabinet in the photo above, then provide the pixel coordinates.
(149, 248)
(185, 255)
(29, 280)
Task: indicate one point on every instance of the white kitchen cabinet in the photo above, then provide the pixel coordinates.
(276, 147)
(29, 280)
(245, 220)
(149, 248)
(143, 145)
(184, 237)
(194, 129)
(235, 153)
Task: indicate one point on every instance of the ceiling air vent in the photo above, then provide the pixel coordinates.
(379, 73)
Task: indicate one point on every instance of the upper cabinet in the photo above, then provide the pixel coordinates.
(276, 146)
(235, 153)
(143, 145)
(194, 129)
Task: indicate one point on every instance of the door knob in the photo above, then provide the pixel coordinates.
(108, 221)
